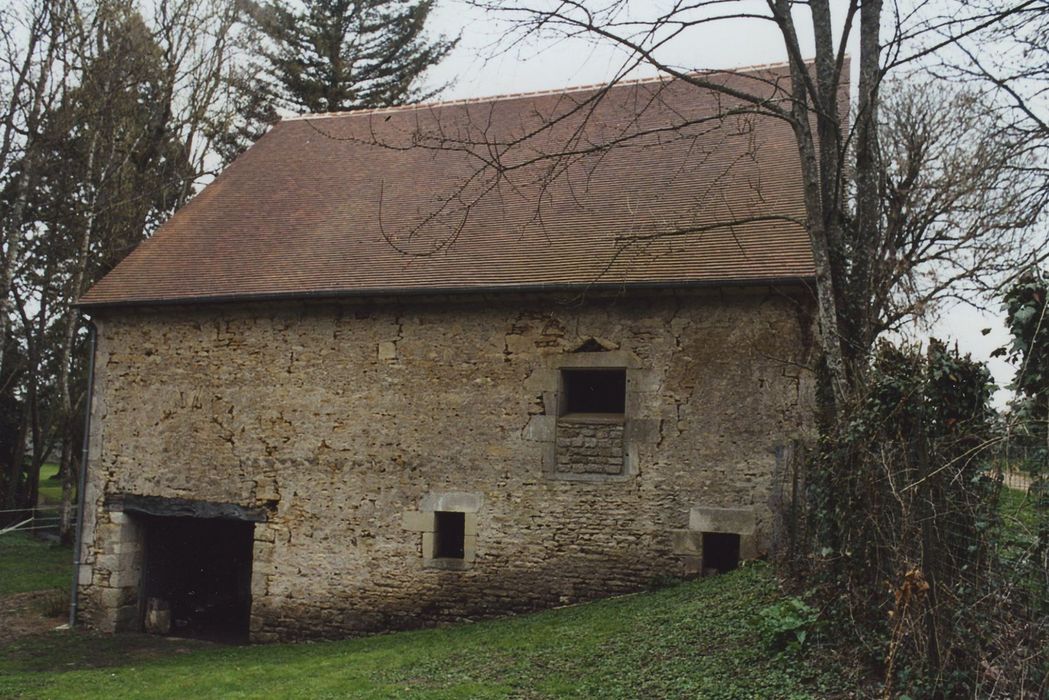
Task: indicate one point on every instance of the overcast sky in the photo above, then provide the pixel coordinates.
(474, 70)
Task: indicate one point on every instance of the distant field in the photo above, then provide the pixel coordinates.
(50, 490)
(1017, 509)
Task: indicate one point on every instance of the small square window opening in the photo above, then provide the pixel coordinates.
(449, 535)
(720, 551)
(594, 391)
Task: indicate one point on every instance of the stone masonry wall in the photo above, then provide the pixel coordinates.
(352, 423)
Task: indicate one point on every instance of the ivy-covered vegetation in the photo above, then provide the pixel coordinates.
(1027, 315)
(944, 588)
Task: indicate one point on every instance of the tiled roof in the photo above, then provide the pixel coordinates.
(414, 199)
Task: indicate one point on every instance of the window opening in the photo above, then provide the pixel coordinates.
(720, 552)
(450, 535)
(594, 391)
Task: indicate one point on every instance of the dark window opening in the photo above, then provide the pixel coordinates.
(200, 569)
(720, 552)
(450, 535)
(594, 390)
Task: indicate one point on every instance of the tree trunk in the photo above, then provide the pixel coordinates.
(70, 320)
(13, 498)
(66, 512)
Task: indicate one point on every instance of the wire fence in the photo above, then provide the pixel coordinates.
(1016, 480)
(42, 520)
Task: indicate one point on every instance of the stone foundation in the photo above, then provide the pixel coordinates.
(350, 424)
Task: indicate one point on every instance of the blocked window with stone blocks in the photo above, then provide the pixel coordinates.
(590, 428)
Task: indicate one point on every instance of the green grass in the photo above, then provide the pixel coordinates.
(1017, 509)
(695, 640)
(29, 565)
(50, 491)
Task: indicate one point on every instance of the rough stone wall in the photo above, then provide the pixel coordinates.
(585, 447)
(346, 421)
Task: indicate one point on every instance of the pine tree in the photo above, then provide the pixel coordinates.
(333, 55)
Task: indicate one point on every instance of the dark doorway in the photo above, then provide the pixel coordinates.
(720, 552)
(202, 568)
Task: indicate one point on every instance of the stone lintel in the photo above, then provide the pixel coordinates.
(181, 508)
(740, 521)
(612, 359)
(452, 501)
(592, 478)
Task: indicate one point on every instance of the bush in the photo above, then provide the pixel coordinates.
(786, 623)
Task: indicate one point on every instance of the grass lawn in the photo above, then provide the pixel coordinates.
(30, 565)
(697, 640)
(50, 491)
(1017, 509)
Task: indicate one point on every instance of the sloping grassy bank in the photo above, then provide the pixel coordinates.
(700, 639)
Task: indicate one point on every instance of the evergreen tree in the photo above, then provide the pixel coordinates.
(330, 56)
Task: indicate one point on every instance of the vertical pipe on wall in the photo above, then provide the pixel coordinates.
(82, 481)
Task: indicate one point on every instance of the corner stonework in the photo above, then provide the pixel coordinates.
(111, 585)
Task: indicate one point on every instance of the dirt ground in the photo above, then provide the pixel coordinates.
(30, 642)
(21, 615)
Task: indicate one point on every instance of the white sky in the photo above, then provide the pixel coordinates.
(474, 72)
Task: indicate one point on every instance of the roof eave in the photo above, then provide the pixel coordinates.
(325, 294)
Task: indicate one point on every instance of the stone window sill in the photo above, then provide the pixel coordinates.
(447, 564)
(594, 418)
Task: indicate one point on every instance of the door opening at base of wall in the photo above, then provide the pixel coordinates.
(197, 577)
(720, 552)
(450, 535)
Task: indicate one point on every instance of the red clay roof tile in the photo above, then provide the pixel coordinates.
(414, 199)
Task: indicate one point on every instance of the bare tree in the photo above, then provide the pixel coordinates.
(961, 200)
(32, 41)
(878, 261)
(129, 105)
(131, 139)
(1014, 72)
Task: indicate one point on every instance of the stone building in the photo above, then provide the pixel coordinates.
(376, 377)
